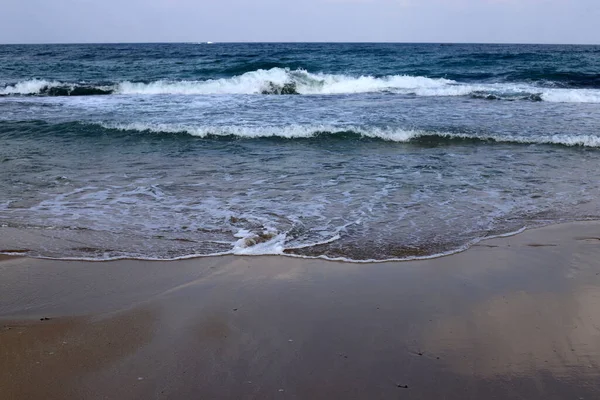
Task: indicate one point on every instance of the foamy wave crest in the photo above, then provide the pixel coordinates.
(34, 86)
(571, 96)
(385, 133)
(284, 81)
(287, 82)
(54, 88)
(284, 132)
(273, 81)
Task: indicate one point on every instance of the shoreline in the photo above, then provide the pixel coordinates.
(512, 317)
(465, 247)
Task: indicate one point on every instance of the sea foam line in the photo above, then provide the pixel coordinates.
(275, 248)
(312, 131)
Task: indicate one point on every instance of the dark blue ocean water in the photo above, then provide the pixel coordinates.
(352, 151)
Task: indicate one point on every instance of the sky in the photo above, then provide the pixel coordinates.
(481, 21)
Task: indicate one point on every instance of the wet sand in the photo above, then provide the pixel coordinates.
(511, 318)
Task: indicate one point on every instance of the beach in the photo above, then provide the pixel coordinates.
(510, 318)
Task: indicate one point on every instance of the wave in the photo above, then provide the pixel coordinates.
(54, 88)
(354, 132)
(284, 81)
(287, 82)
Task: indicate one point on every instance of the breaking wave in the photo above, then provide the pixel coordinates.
(54, 88)
(284, 81)
(354, 132)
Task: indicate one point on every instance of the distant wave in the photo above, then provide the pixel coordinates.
(349, 132)
(288, 82)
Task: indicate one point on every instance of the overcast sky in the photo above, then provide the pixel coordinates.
(513, 21)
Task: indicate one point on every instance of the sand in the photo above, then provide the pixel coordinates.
(511, 318)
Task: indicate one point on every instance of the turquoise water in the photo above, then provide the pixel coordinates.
(351, 151)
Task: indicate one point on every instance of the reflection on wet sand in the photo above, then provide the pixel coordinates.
(512, 335)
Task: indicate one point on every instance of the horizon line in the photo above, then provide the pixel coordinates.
(296, 42)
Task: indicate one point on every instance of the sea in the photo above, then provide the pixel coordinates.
(355, 152)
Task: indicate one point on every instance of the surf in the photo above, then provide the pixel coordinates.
(283, 81)
(326, 132)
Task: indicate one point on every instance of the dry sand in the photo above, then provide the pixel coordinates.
(511, 318)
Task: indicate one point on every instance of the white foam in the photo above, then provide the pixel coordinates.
(285, 131)
(304, 82)
(249, 83)
(256, 82)
(311, 131)
(34, 86)
(571, 96)
(249, 245)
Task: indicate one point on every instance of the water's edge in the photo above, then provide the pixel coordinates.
(461, 249)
